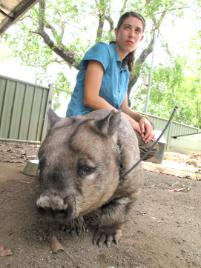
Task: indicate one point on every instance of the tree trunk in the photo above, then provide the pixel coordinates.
(138, 64)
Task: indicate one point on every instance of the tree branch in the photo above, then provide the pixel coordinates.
(53, 30)
(172, 9)
(123, 7)
(66, 55)
(41, 17)
(111, 22)
(158, 23)
(100, 27)
(138, 64)
(147, 2)
(101, 18)
(146, 52)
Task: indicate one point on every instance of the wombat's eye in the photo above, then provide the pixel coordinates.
(84, 170)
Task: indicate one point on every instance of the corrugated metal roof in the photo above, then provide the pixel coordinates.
(11, 10)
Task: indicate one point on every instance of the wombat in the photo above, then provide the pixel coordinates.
(81, 162)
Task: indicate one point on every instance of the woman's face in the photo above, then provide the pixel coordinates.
(129, 35)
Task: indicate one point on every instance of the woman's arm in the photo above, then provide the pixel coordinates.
(126, 109)
(145, 126)
(92, 85)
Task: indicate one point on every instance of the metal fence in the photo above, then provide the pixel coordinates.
(23, 109)
(174, 129)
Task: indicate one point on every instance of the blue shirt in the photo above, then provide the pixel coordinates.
(114, 83)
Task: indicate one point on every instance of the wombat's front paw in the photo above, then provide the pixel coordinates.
(107, 235)
(76, 226)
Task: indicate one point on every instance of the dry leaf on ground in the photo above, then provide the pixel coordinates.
(55, 245)
(5, 252)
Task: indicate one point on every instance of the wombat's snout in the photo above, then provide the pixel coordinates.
(54, 206)
(53, 213)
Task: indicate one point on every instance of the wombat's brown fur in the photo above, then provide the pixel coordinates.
(81, 162)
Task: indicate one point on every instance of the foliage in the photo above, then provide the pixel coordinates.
(61, 85)
(170, 87)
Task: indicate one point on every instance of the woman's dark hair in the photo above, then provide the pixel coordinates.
(129, 59)
(130, 14)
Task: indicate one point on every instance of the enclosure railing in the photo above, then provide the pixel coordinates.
(174, 129)
(23, 109)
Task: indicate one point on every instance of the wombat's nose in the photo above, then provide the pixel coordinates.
(53, 213)
(51, 202)
(56, 207)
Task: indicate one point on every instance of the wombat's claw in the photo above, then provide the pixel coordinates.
(106, 237)
(76, 226)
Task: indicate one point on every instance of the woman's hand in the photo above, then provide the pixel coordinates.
(135, 125)
(146, 130)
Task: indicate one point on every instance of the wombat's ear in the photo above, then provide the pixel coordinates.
(110, 124)
(53, 117)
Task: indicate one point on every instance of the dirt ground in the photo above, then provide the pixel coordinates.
(164, 228)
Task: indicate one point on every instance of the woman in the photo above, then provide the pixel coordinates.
(102, 81)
